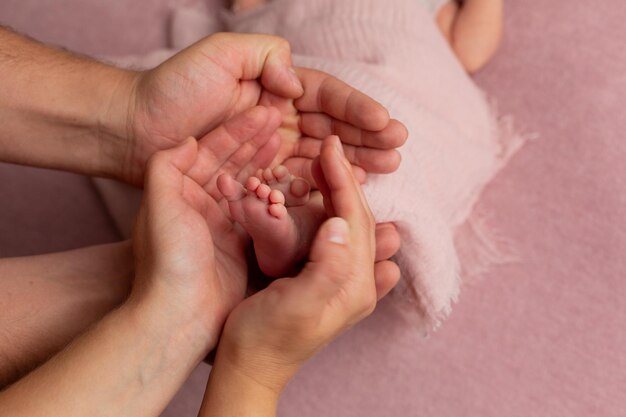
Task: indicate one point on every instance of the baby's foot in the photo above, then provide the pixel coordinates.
(296, 190)
(243, 5)
(280, 235)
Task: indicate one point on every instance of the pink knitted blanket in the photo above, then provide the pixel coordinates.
(392, 51)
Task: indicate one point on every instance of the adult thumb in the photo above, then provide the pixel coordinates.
(166, 168)
(331, 255)
(261, 56)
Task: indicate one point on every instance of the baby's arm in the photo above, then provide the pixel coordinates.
(473, 29)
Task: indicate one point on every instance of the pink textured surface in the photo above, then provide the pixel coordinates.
(45, 211)
(542, 337)
(93, 27)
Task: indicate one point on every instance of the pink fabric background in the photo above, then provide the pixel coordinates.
(542, 337)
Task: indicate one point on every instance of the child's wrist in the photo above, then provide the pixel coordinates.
(236, 389)
(264, 369)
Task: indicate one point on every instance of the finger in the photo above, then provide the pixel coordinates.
(322, 185)
(257, 139)
(250, 93)
(245, 142)
(217, 146)
(371, 160)
(302, 167)
(320, 181)
(324, 93)
(262, 158)
(330, 257)
(347, 198)
(359, 173)
(334, 261)
(344, 189)
(250, 156)
(195, 196)
(166, 169)
(252, 56)
(165, 181)
(320, 125)
(386, 275)
(387, 241)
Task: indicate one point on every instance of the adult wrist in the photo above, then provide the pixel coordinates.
(115, 123)
(62, 111)
(164, 317)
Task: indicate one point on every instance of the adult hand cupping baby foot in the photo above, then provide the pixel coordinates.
(189, 254)
(331, 107)
(271, 334)
(225, 74)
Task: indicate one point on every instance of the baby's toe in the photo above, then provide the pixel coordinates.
(253, 183)
(268, 176)
(230, 188)
(263, 191)
(300, 188)
(278, 210)
(282, 174)
(277, 197)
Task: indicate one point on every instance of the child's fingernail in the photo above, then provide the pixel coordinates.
(337, 230)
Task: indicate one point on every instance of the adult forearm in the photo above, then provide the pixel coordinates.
(49, 299)
(61, 111)
(130, 364)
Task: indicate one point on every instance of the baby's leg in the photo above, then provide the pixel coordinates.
(445, 19)
(473, 29)
(243, 5)
(279, 214)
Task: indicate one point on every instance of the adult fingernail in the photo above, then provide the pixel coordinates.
(340, 148)
(337, 230)
(294, 78)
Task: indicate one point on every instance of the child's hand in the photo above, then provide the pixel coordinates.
(189, 256)
(271, 334)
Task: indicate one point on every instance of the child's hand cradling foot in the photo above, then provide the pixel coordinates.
(271, 334)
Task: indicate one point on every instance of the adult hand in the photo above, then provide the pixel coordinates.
(71, 113)
(227, 73)
(189, 255)
(269, 335)
(185, 285)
